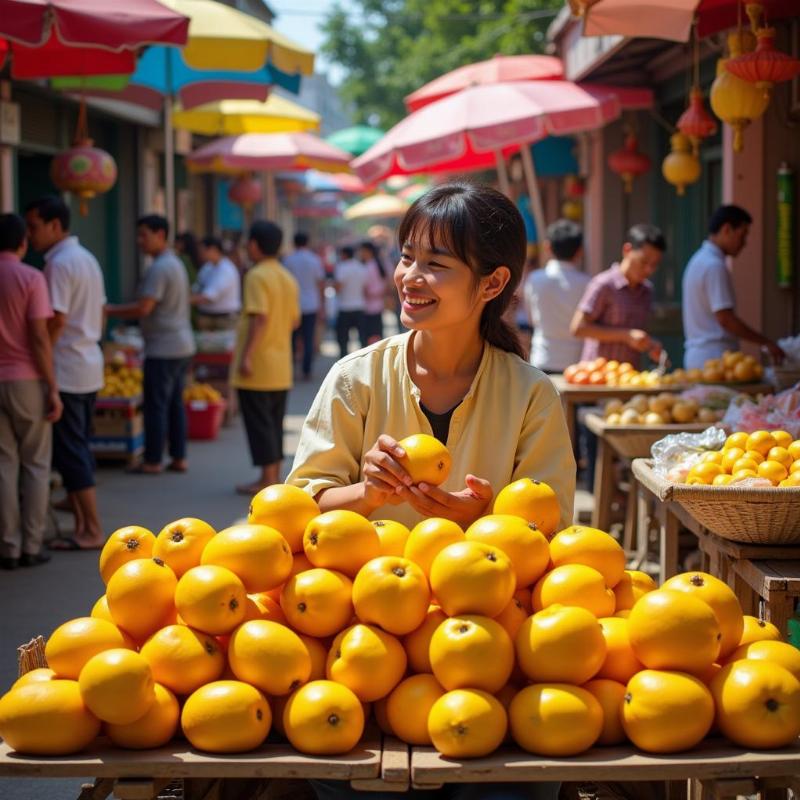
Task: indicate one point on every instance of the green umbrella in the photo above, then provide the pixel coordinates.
(355, 140)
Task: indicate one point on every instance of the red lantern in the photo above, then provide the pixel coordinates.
(766, 66)
(85, 171)
(696, 122)
(574, 187)
(245, 191)
(628, 162)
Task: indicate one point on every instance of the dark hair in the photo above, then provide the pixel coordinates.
(566, 238)
(728, 215)
(375, 255)
(482, 228)
(12, 232)
(212, 241)
(300, 239)
(188, 245)
(51, 207)
(643, 233)
(346, 251)
(267, 236)
(154, 222)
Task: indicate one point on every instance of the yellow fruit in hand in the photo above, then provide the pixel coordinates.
(117, 686)
(428, 538)
(472, 578)
(154, 729)
(323, 718)
(47, 719)
(180, 544)
(580, 544)
(341, 540)
(257, 554)
(532, 500)
(467, 723)
(408, 707)
(426, 459)
(72, 644)
(520, 540)
(226, 717)
(392, 536)
(555, 719)
(758, 704)
(393, 593)
(318, 602)
(674, 630)
(666, 712)
(472, 652)
(285, 508)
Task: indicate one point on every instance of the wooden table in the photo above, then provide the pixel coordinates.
(775, 585)
(723, 769)
(573, 395)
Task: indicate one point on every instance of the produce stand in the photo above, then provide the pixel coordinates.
(118, 429)
(214, 368)
(573, 395)
(625, 442)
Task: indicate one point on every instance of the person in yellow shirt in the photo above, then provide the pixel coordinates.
(262, 362)
(458, 374)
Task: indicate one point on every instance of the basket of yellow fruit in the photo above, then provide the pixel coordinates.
(205, 408)
(749, 491)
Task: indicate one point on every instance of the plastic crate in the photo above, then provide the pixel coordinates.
(204, 419)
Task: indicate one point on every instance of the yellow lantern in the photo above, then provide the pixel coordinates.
(681, 167)
(572, 209)
(734, 101)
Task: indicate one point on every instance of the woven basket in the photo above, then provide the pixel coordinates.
(751, 515)
(31, 656)
(635, 441)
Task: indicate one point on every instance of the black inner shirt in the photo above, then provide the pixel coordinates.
(440, 423)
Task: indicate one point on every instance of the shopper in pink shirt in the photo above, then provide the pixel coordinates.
(29, 401)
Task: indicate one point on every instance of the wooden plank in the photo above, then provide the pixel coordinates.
(712, 759)
(138, 788)
(603, 486)
(395, 769)
(176, 761)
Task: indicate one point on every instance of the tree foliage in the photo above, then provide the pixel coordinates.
(389, 48)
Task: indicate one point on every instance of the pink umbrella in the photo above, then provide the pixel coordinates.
(499, 69)
(269, 152)
(481, 126)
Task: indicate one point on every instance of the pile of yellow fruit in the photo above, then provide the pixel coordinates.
(121, 381)
(661, 409)
(602, 372)
(731, 368)
(770, 455)
(308, 623)
(204, 392)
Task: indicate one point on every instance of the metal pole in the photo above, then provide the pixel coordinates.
(502, 173)
(271, 198)
(533, 193)
(169, 165)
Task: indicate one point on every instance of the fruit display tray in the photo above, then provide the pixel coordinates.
(751, 515)
(635, 441)
(595, 393)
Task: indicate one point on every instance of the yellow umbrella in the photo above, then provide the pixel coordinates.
(378, 206)
(232, 117)
(222, 38)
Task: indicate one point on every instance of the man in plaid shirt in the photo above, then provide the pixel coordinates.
(616, 305)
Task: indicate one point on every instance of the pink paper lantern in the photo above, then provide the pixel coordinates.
(245, 191)
(84, 170)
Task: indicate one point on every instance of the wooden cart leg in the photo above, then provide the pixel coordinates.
(99, 790)
(603, 486)
(138, 788)
(642, 526)
(631, 509)
(780, 609)
(669, 545)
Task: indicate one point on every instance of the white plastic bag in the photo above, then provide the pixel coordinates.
(677, 453)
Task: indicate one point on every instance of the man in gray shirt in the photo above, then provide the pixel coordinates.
(163, 310)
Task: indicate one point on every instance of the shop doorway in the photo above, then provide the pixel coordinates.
(33, 181)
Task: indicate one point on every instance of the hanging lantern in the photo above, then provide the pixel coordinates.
(84, 170)
(245, 191)
(628, 162)
(734, 101)
(696, 122)
(681, 167)
(572, 209)
(766, 66)
(574, 186)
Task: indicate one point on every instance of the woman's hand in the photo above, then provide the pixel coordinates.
(463, 507)
(385, 481)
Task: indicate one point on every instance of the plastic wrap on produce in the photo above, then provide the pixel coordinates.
(716, 397)
(676, 454)
(773, 412)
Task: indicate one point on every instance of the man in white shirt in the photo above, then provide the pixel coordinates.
(306, 266)
(77, 294)
(710, 323)
(218, 290)
(551, 296)
(350, 277)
